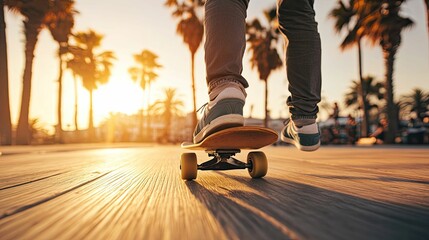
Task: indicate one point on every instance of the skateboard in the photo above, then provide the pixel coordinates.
(223, 145)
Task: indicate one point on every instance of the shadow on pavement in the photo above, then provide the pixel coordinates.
(382, 179)
(282, 209)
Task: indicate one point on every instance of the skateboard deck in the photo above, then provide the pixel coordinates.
(246, 137)
(223, 145)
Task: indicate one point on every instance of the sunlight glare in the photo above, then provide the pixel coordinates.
(119, 95)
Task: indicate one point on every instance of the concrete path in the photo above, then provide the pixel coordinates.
(137, 193)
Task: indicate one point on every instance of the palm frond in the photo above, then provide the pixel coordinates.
(372, 91)
(147, 63)
(170, 3)
(342, 15)
(93, 68)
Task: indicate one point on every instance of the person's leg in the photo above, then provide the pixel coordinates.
(303, 66)
(225, 29)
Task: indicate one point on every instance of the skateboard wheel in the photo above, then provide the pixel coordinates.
(188, 166)
(259, 164)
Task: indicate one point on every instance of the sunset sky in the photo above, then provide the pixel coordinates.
(130, 26)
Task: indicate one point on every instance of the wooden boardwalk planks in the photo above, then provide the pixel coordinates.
(137, 193)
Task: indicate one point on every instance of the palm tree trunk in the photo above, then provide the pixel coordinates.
(148, 129)
(91, 118)
(194, 99)
(5, 122)
(75, 103)
(59, 130)
(392, 118)
(167, 126)
(141, 121)
(362, 95)
(427, 13)
(142, 129)
(32, 30)
(266, 103)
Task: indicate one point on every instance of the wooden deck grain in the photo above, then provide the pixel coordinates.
(137, 193)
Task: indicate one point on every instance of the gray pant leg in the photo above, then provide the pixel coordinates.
(303, 56)
(225, 29)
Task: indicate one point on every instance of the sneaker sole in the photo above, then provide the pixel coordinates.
(299, 146)
(220, 123)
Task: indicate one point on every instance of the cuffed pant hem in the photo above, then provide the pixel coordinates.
(217, 82)
(295, 117)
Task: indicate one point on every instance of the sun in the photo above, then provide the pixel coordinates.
(120, 94)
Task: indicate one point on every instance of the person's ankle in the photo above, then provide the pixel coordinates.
(301, 122)
(219, 87)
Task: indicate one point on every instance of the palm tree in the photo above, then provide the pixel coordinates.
(145, 73)
(344, 16)
(417, 101)
(191, 28)
(265, 57)
(6, 125)
(384, 25)
(34, 13)
(372, 90)
(168, 107)
(93, 68)
(60, 23)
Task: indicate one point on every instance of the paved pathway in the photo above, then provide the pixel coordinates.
(137, 193)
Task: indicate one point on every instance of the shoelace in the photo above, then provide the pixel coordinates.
(290, 129)
(202, 107)
(285, 122)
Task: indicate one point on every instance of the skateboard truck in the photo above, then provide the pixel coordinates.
(223, 160)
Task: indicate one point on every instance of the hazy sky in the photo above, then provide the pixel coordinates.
(130, 26)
